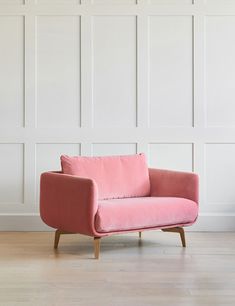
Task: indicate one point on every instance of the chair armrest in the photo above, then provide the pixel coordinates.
(68, 202)
(166, 183)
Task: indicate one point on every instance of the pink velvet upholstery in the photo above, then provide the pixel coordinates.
(146, 212)
(157, 198)
(115, 176)
(166, 183)
(68, 202)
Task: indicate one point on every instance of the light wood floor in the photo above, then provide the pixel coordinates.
(154, 271)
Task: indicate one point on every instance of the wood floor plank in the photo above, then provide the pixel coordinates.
(155, 270)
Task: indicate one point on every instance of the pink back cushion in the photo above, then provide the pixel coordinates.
(116, 176)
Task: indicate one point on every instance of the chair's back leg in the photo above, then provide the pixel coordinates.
(182, 236)
(179, 230)
(97, 247)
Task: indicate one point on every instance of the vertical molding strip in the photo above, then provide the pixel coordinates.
(86, 77)
(142, 74)
(30, 110)
(30, 71)
(199, 71)
(142, 71)
(199, 97)
(30, 177)
(86, 72)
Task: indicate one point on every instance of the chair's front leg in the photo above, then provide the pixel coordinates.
(57, 237)
(97, 247)
(179, 230)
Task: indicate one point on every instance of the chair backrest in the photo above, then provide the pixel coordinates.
(116, 176)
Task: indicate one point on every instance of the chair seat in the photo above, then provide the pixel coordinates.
(144, 212)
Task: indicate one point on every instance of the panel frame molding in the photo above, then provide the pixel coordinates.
(21, 204)
(193, 75)
(24, 215)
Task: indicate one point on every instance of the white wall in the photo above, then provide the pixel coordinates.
(117, 77)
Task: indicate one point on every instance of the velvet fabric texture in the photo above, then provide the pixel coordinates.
(167, 183)
(147, 212)
(115, 176)
(70, 203)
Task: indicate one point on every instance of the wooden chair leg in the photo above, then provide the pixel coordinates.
(97, 247)
(179, 230)
(57, 237)
(140, 235)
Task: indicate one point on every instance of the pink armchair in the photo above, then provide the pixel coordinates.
(103, 196)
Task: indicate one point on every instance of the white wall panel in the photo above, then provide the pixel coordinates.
(220, 174)
(11, 71)
(114, 71)
(176, 2)
(12, 173)
(118, 77)
(102, 149)
(11, 2)
(57, 2)
(170, 65)
(48, 157)
(171, 156)
(220, 70)
(221, 2)
(58, 71)
(113, 1)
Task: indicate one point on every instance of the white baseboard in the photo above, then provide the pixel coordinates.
(22, 222)
(32, 222)
(214, 223)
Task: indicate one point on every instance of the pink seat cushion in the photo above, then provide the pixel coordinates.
(147, 212)
(115, 176)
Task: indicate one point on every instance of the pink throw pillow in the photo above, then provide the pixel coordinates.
(116, 176)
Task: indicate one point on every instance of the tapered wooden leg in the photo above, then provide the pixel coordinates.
(140, 234)
(57, 237)
(179, 230)
(97, 247)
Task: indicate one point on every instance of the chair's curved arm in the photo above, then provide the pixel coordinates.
(166, 183)
(68, 202)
